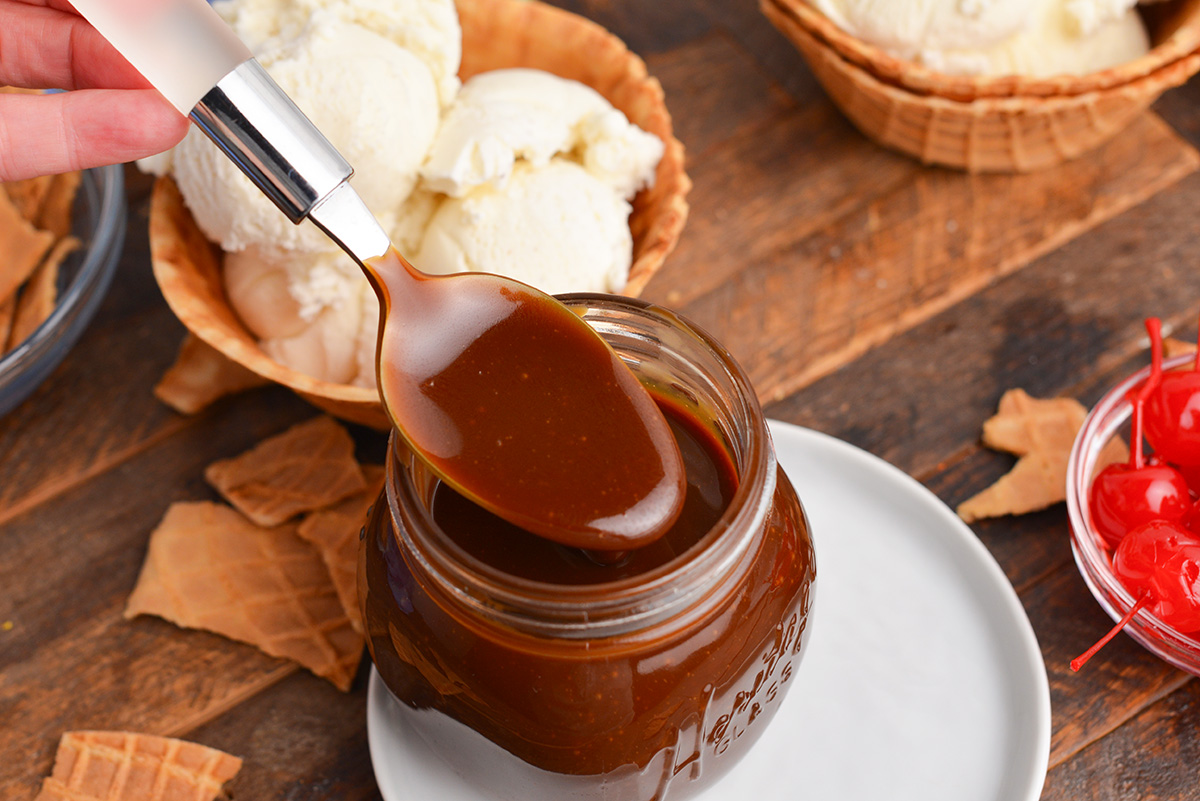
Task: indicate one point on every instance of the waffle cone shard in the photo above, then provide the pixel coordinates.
(121, 766)
(29, 194)
(8, 310)
(335, 533)
(54, 214)
(209, 568)
(22, 247)
(1042, 433)
(1176, 347)
(307, 467)
(200, 376)
(1023, 424)
(39, 296)
(1038, 480)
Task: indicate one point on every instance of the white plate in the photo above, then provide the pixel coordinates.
(922, 680)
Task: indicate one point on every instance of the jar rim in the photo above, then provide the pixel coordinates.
(624, 604)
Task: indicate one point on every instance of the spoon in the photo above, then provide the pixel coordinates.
(508, 396)
(514, 400)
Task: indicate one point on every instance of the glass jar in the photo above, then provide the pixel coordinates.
(648, 687)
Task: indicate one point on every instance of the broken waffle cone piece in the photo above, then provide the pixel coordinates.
(201, 375)
(335, 533)
(121, 766)
(1035, 482)
(40, 294)
(1041, 433)
(308, 467)
(8, 309)
(209, 568)
(54, 214)
(28, 195)
(35, 222)
(1176, 347)
(21, 247)
(1023, 424)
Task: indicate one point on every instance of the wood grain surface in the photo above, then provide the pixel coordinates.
(871, 298)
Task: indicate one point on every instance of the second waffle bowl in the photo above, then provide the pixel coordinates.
(496, 34)
(989, 124)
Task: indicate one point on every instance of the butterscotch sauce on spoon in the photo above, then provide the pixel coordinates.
(516, 402)
(509, 397)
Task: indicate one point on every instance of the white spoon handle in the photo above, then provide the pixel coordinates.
(182, 47)
(195, 60)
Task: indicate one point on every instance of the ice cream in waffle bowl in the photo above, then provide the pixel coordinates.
(495, 34)
(944, 107)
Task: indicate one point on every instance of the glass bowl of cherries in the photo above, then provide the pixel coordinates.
(1135, 525)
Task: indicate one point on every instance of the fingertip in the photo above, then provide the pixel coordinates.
(173, 126)
(47, 134)
(114, 126)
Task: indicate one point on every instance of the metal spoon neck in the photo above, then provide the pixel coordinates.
(257, 125)
(253, 121)
(344, 217)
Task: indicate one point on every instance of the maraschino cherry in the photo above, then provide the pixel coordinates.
(1191, 474)
(1173, 416)
(1125, 496)
(1162, 560)
(1191, 521)
(1159, 563)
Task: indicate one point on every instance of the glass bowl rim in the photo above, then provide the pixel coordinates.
(1102, 422)
(98, 265)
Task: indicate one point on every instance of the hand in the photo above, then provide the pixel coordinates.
(109, 116)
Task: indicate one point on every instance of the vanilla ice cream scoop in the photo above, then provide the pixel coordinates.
(908, 27)
(326, 348)
(555, 227)
(361, 90)
(1055, 44)
(1036, 38)
(427, 28)
(311, 311)
(510, 115)
(1088, 16)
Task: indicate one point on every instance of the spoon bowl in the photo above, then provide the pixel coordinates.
(512, 399)
(516, 402)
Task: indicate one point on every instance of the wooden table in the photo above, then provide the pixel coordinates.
(871, 298)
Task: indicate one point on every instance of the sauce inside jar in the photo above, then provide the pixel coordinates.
(711, 482)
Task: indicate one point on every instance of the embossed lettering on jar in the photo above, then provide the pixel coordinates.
(539, 673)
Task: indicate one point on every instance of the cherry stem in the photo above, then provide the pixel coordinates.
(1082, 659)
(1196, 363)
(1137, 459)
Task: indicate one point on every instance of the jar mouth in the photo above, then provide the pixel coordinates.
(666, 351)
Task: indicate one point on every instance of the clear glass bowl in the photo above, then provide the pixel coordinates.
(1109, 418)
(99, 223)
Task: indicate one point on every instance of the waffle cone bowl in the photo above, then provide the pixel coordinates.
(496, 34)
(989, 123)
